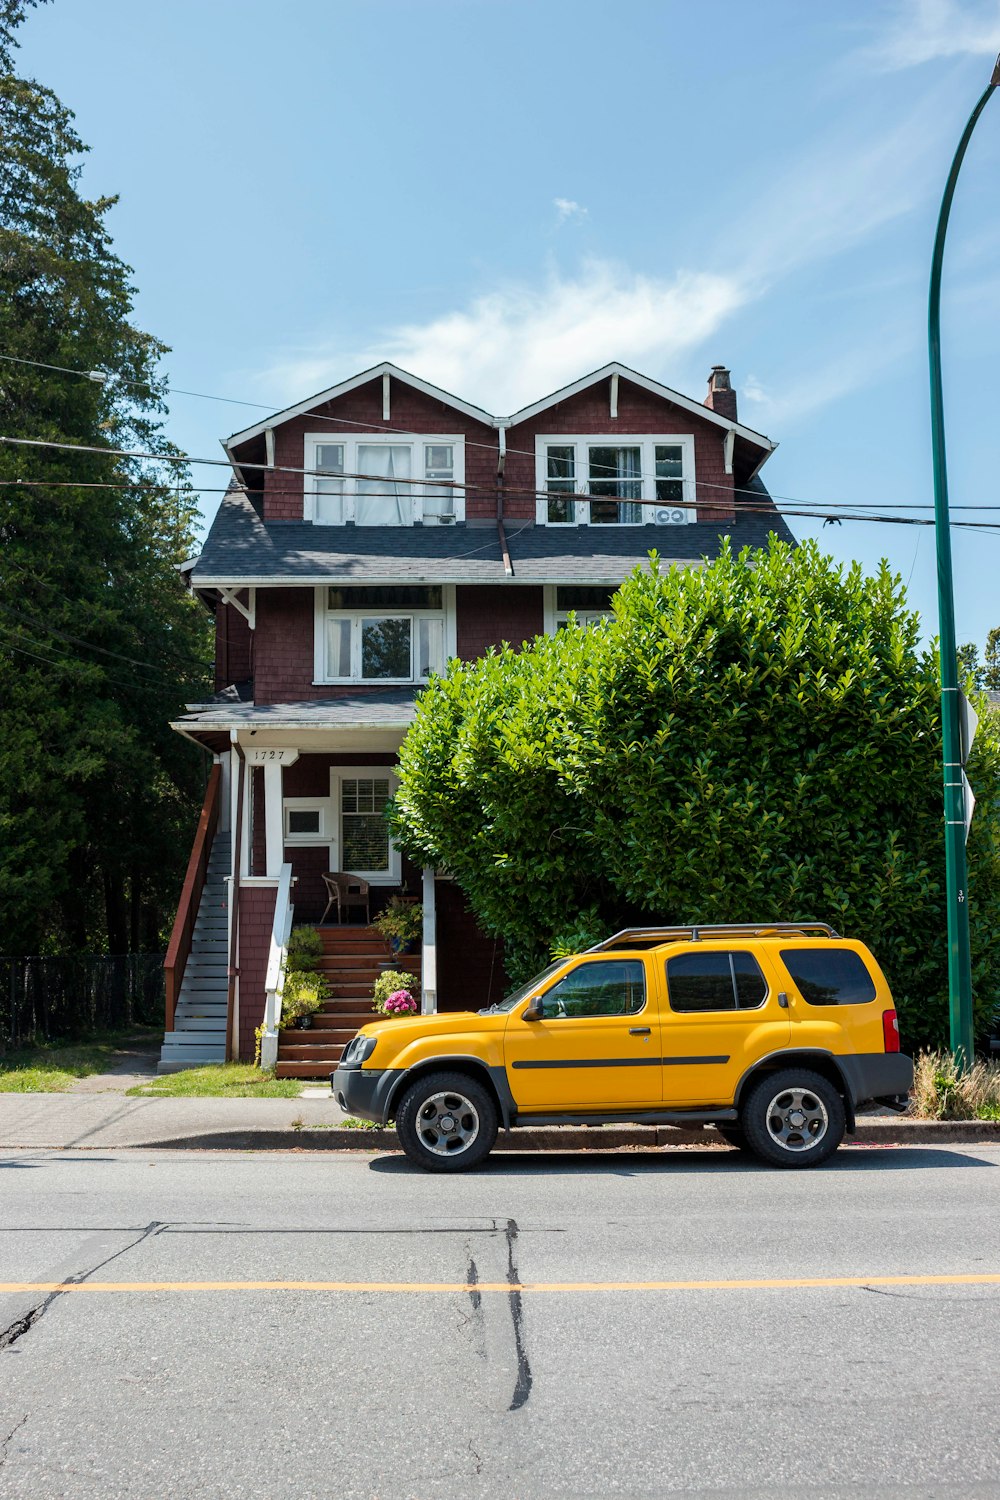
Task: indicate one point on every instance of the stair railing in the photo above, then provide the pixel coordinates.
(179, 948)
(274, 980)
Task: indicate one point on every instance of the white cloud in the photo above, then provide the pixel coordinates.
(566, 208)
(510, 346)
(921, 31)
(777, 406)
(514, 345)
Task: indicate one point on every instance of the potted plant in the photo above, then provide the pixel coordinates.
(303, 994)
(305, 989)
(394, 993)
(400, 923)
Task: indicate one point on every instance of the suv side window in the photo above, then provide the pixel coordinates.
(597, 989)
(715, 981)
(829, 976)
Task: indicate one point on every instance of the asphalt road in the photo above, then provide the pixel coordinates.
(530, 1330)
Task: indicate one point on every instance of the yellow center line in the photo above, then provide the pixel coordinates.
(790, 1283)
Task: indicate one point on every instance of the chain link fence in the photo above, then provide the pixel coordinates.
(64, 999)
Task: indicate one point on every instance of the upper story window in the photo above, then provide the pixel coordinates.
(380, 635)
(375, 479)
(617, 475)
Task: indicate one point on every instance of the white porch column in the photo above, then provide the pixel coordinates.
(274, 825)
(428, 967)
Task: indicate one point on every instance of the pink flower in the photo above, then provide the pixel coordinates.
(400, 1003)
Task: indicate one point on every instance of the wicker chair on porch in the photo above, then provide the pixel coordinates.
(345, 892)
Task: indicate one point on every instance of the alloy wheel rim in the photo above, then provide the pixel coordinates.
(447, 1123)
(797, 1120)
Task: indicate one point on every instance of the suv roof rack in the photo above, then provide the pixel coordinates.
(631, 937)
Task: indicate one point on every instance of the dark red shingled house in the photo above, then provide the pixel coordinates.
(372, 532)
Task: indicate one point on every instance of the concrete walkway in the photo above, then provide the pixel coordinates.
(109, 1121)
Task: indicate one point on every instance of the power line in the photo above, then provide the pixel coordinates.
(73, 640)
(547, 495)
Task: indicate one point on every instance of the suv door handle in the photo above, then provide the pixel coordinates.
(638, 1031)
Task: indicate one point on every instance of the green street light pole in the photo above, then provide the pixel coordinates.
(959, 956)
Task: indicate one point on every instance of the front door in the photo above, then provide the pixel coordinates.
(722, 1015)
(596, 1046)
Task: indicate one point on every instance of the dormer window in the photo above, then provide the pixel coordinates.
(628, 481)
(375, 479)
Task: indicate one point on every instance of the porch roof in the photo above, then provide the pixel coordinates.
(391, 708)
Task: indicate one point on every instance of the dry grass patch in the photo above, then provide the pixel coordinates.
(940, 1093)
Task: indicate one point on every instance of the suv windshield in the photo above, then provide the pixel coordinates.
(515, 998)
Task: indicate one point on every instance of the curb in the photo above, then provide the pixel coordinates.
(876, 1131)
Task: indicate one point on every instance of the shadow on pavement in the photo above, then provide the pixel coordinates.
(708, 1162)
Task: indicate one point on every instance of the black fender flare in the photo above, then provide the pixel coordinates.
(494, 1077)
(826, 1063)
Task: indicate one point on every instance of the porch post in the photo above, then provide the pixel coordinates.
(274, 827)
(428, 966)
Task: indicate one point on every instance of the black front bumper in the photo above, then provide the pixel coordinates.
(363, 1091)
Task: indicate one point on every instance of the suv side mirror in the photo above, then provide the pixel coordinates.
(532, 1011)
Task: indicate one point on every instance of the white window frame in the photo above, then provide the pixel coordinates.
(321, 674)
(417, 443)
(339, 774)
(553, 616)
(321, 805)
(647, 444)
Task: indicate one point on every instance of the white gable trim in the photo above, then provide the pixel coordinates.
(655, 389)
(384, 369)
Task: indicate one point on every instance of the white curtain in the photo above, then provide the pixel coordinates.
(380, 501)
(630, 470)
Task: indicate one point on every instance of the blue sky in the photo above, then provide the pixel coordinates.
(503, 196)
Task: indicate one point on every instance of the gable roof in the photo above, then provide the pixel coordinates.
(345, 387)
(697, 408)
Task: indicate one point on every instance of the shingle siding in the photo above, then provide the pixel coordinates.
(639, 411)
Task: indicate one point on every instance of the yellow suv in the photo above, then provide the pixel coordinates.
(773, 1034)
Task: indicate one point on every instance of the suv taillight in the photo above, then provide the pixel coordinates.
(890, 1030)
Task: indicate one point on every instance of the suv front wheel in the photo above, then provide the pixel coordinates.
(794, 1118)
(446, 1122)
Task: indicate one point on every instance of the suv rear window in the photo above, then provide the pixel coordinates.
(715, 981)
(829, 976)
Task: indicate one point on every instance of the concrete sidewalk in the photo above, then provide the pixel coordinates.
(109, 1121)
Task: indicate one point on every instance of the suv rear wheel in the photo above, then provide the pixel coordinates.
(794, 1118)
(446, 1122)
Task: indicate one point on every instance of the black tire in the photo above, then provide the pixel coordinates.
(423, 1116)
(793, 1118)
(734, 1136)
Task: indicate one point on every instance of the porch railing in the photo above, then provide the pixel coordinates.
(179, 948)
(274, 981)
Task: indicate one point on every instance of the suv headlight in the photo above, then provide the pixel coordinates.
(358, 1051)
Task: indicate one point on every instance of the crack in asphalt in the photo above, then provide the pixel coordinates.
(23, 1324)
(5, 1442)
(522, 1386)
(472, 1279)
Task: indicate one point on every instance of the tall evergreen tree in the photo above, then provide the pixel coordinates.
(99, 642)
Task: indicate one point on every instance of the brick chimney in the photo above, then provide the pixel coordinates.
(721, 396)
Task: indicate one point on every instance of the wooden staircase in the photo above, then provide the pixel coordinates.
(352, 960)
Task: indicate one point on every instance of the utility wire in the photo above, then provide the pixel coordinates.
(744, 507)
(274, 490)
(45, 628)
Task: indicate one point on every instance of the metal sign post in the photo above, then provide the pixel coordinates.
(959, 956)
